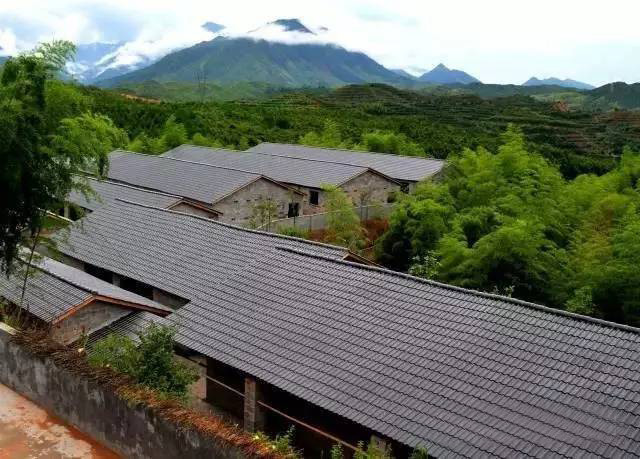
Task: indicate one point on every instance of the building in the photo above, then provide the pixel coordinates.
(105, 192)
(168, 256)
(231, 193)
(407, 170)
(364, 185)
(69, 301)
(359, 352)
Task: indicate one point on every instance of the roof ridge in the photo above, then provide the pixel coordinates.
(477, 293)
(135, 187)
(239, 228)
(195, 162)
(351, 151)
(201, 146)
(283, 156)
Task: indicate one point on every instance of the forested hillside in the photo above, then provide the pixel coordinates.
(576, 141)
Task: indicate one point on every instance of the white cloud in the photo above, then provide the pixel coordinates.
(495, 40)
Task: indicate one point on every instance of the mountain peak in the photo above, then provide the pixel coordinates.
(292, 25)
(212, 27)
(441, 74)
(566, 83)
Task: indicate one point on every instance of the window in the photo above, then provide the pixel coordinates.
(314, 197)
(294, 209)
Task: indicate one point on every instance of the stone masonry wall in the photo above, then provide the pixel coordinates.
(237, 208)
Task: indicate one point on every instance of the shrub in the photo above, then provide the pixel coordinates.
(151, 363)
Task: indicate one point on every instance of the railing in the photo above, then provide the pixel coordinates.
(313, 222)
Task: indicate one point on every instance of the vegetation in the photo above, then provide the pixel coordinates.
(45, 143)
(151, 363)
(510, 223)
(343, 224)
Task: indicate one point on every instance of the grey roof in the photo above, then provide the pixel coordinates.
(288, 170)
(405, 168)
(130, 325)
(180, 253)
(200, 182)
(54, 289)
(464, 373)
(106, 192)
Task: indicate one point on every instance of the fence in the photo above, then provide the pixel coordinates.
(319, 221)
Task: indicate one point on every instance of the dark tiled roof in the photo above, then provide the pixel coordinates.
(179, 253)
(200, 182)
(106, 192)
(54, 288)
(130, 325)
(406, 168)
(465, 374)
(288, 170)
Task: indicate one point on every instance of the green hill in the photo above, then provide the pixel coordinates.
(615, 95)
(231, 60)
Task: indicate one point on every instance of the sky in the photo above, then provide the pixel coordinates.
(497, 41)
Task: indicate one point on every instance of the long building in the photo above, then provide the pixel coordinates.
(408, 170)
(361, 352)
(231, 193)
(364, 185)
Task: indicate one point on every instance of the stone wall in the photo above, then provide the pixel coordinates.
(237, 208)
(131, 431)
(367, 188)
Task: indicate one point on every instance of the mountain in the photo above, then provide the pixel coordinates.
(99, 61)
(615, 95)
(291, 25)
(213, 27)
(567, 83)
(91, 60)
(403, 73)
(284, 61)
(443, 75)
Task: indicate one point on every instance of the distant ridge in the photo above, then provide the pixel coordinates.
(441, 74)
(403, 73)
(566, 83)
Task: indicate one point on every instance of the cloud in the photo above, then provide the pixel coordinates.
(495, 40)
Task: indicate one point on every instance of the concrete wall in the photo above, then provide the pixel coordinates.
(87, 320)
(131, 431)
(237, 208)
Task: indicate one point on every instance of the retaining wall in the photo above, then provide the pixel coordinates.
(132, 431)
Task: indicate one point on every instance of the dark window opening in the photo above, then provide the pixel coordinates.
(404, 187)
(294, 209)
(314, 197)
(100, 273)
(137, 287)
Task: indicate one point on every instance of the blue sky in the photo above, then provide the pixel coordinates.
(498, 41)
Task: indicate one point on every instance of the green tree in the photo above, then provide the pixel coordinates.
(174, 133)
(35, 177)
(343, 224)
(151, 363)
